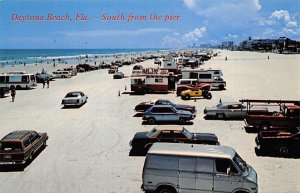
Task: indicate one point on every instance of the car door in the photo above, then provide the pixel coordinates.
(224, 181)
(156, 113)
(205, 175)
(187, 175)
(169, 114)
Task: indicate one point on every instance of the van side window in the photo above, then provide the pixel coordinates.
(223, 164)
(162, 162)
(205, 165)
(193, 75)
(187, 164)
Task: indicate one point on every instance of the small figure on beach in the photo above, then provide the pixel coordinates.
(13, 93)
(43, 81)
(48, 82)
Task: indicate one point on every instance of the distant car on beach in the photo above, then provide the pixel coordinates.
(118, 75)
(231, 110)
(75, 98)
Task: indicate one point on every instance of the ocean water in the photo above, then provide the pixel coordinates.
(29, 56)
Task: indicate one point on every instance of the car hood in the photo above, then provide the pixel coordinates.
(182, 112)
(206, 136)
(140, 135)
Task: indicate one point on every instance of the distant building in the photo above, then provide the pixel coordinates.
(280, 45)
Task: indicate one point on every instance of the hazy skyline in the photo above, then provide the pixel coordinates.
(199, 22)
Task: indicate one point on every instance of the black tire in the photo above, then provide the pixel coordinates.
(264, 127)
(283, 150)
(187, 97)
(220, 116)
(151, 121)
(165, 190)
(182, 121)
(63, 76)
(208, 96)
(18, 87)
(221, 87)
(2, 95)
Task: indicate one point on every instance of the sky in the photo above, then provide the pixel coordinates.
(24, 24)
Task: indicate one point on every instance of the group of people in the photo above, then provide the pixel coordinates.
(13, 89)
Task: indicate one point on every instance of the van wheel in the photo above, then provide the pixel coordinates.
(208, 96)
(151, 121)
(63, 76)
(18, 87)
(166, 190)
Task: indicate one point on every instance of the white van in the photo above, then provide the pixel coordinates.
(62, 74)
(191, 168)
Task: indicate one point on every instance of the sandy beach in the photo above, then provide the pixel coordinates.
(88, 147)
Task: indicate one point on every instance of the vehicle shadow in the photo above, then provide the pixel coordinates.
(226, 119)
(20, 167)
(195, 98)
(139, 114)
(73, 107)
(167, 123)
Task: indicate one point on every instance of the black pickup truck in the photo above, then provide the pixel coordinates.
(3, 91)
(282, 143)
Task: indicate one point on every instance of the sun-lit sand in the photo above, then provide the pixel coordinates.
(88, 147)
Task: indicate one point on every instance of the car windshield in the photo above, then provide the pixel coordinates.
(72, 95)
(187, 133)
(151, 132)
(8, 146)
(240, 162)
(219, 105)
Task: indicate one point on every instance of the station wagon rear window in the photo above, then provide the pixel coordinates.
(8, 146)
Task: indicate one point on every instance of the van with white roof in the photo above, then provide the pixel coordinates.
(195, 168)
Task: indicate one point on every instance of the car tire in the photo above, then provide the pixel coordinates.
(220, 116)
(182, 121)
(63, 76)
(18, 87)
(283, 150)
(151, 121)
(208, 96)
(264, 127)
(221, 87)
(187, 97)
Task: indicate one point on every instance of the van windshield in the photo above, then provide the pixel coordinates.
(240, 163)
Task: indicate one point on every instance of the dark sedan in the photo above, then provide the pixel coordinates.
(142, 141)
(144, 106)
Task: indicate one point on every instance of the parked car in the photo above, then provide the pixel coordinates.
(179, 167)
(231, 110)
(86, 67)
(3, 90)
(187, 94)
(75, 98)
(72, 70)
(157, 61)
(183, 87)
(40, 77)
(280, 142)
(62, 74)
(118, 75)
(142, 141)
(113, 69)
(142, 107)
(167, 113)
(20, 147)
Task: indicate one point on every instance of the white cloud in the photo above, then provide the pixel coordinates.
(181, 40)
(97, 33)
(278, 14)
(190, 3)
(194, 35)
(292, 24)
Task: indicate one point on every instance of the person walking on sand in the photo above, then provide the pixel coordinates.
(48, 82)
(43, 81)
(13, 93)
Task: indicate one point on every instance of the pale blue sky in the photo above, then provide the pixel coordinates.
(201, 21)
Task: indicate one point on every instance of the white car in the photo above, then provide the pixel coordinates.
(75, 98)
(62, 74)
